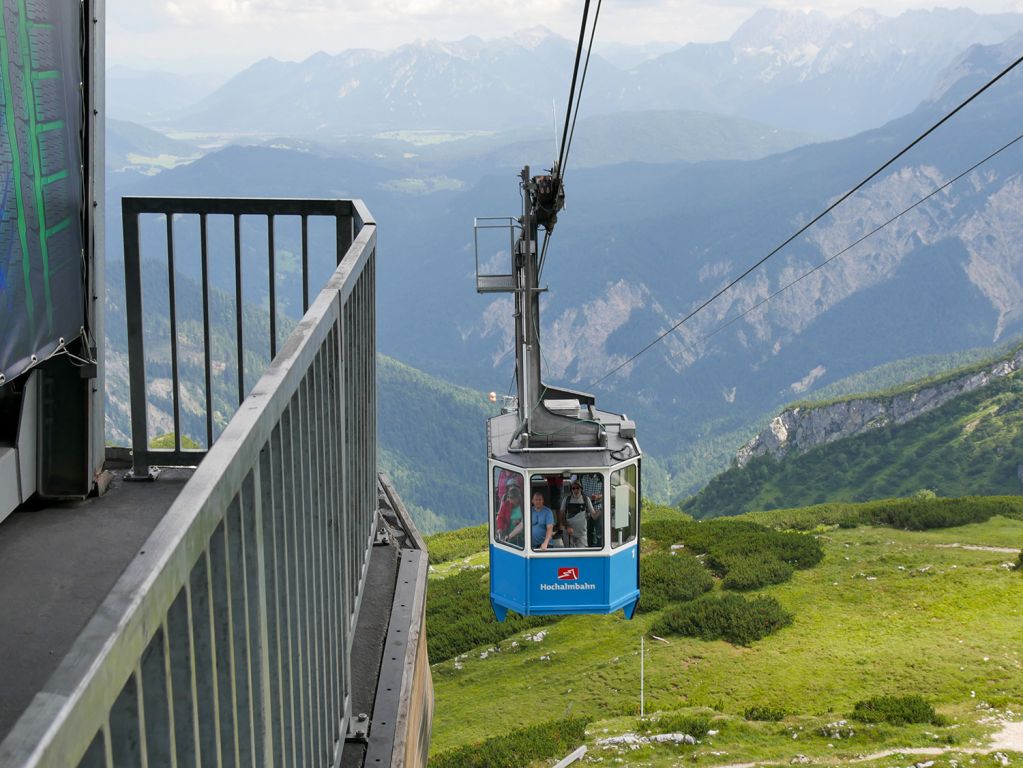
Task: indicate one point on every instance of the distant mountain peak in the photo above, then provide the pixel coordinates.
(532, 36)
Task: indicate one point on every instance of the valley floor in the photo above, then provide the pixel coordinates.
(936, 613)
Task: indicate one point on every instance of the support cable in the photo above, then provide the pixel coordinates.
(869, 234)
(571, 91)
(814, 220)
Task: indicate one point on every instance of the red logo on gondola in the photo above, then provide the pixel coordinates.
(568, 574)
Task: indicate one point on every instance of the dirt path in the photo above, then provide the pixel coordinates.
(1009, 739)
(980, 548)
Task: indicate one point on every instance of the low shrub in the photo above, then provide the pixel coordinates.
(747, 573)
(453, 544)
(670, 577)
(730, 617)
(896, 710)
(667, 531)
(1019, 561)
(676, 722)
(518, 747)
(764, 713)
(746, 555)
(459, 617)
(915, 514)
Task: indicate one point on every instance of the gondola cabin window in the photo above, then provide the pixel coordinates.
(624, 505)
(509, 508)
(575, 501)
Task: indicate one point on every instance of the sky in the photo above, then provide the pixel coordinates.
(224, 36)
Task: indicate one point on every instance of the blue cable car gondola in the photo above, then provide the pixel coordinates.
(564, 477)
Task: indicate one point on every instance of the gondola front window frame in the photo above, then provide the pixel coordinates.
(507, 473)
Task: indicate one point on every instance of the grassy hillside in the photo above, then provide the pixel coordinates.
(970, 445)
(432, 445)
(712, 453)
(936, 613)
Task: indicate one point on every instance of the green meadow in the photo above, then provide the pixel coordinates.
(937, 613)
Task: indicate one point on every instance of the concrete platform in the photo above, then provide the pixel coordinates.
(57, 563)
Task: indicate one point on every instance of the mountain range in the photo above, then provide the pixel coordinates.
(643, 242)
(804, 71)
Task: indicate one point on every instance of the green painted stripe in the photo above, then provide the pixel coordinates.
(26, 264)
(53, 177)
(53, 125)
(33, 151)
(58, 228)
(48, 74)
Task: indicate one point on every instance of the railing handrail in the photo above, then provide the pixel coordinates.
(62, 720)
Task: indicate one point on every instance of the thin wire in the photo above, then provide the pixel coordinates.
(582, 84)
(575, 74)
(563, 162)
(872, 232)
(815, 219)
(570, 116)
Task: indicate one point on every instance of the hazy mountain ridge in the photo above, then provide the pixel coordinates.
(801, 71)
(833, 76)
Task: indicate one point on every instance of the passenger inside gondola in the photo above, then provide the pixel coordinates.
(510, 525)
(541, 524)
(593, 489)
(576, 509)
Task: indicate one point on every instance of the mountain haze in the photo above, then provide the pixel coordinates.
(802, 71)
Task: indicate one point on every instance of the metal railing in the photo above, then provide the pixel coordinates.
(227, 641)
(347, 219)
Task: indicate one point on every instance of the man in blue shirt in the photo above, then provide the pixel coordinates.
(542, 523)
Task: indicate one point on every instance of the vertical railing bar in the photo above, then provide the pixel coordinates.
(141, 694)
(310, 562)
(272, 284)
(230, 618)
(344, 236)
(172, 315)
(168, 682)
(305, 263)
(325, 668)
(351, 417)
(270, 601)
(238, 305)
(136, 341)
(361, 437)
(298, 451)
(336, 663)
(338, 537)
(108, 745)
(343, 538)
(307, 578)
(287, 463)
(214, 682)
(206, 335)
(250, 513)
(197, 740)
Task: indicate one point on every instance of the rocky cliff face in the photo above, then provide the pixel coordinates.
(800, 429)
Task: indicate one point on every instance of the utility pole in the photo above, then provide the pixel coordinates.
(642, 676)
